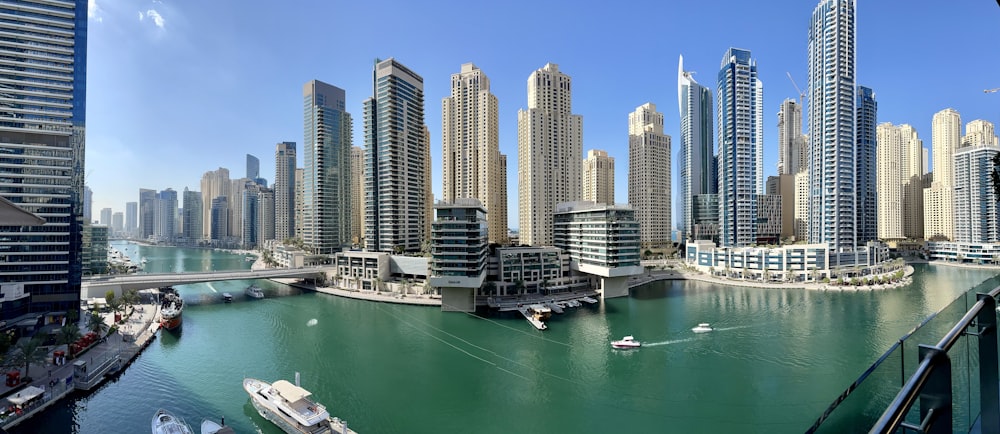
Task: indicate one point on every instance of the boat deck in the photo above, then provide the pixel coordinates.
(531, 319)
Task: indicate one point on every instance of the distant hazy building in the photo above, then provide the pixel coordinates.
(976, 218)
(357, 194)
(265, 215)
(696, 165)
(214, 184)
(219, 219)
(741, 148)
(649, 174)
(237, 199)
(147, 213)
(192, 216)
(471, 147)
(88, 204)
(831, 123)
(598, 173)
(299, 202)
(396, 161)
(549, 143)
(165, 211)
(939, 209)
(131, 218)
(118, 223)
(327, 168)
(866, 203)
(106, 216)
(284, 190)
(792, 155)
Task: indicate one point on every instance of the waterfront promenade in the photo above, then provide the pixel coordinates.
(58, 381)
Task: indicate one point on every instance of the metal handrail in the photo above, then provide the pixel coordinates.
(934, 404)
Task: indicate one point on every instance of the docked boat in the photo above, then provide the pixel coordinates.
(254, 292)
(212, 427)
(166, 423)
(573, 303)
(554, 306)
(702, 328)
(171, 309)
(589, 300)
(227, 297)
(539, 311)
(290, 408)
(626, 343)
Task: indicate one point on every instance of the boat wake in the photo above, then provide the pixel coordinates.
(210, 286)
(732, 328)
(656, 344)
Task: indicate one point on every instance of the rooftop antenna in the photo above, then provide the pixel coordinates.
(801, 94)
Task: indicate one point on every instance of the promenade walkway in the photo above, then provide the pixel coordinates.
(384, 297)
(57, 381)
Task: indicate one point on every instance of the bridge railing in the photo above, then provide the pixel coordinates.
(898, 371)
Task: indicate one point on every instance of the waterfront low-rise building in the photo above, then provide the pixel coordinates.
(965, 252)
(602, 240)
(459, 241)
(791, 263)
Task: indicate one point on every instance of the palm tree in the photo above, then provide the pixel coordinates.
(96, 324)
(29, 351)
(67, 335)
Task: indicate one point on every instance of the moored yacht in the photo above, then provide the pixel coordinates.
(166, 423)
(291, 408)
(254, 291)
(171, 309)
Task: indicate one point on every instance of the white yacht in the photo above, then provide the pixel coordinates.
(166, 423)
(290, 408)
(702, 328)
(255, 292)
(626, 343)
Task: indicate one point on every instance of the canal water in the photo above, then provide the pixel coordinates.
(776, 359)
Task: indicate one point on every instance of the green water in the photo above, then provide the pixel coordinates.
(777, 358)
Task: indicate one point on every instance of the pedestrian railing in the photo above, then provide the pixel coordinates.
(948, 387)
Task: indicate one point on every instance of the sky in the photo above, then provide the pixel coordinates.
(179, 88)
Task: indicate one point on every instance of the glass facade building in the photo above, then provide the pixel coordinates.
(741, 148)
(696, 164)
(326, 180)
(867, 203)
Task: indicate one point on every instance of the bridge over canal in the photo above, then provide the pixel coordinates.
(97, 286)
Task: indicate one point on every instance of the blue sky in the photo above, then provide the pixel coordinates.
(178, 88)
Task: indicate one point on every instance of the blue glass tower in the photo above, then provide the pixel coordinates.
(867, 203)
(43, 127)
(741, 147)
(696, 165)
(326, 201)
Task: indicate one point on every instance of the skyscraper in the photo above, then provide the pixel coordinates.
(865, 173)
(976, 217)
(598, 173)
(649, 174)
(832, 123)
(470, 141)
(791, 141)
(300, 191)
(284, 190)
(166, 210)
(741, 126)
(219, 219)
(214, 184)
(357, 194)
(105, 216)
(696, 164)
(979, 133)
(44, 72)
(396, 161)
(253, 167)
(939, 210)
(131, 218)
(147, 212)
(913, 182)
(88, 204)
(889, 181)
(118, 223)
(265, 215)
(192, 229)
(549, 147)
(327, 173)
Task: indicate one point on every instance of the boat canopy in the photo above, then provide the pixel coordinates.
(289, 391)
(29, 393)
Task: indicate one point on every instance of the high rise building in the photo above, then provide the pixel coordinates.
(250, 214)
(44, 69)
(106, 216)
(549, 147)
(214, 184)
(237, 199)
(913, 182)
(741, 126)
(253, 167)
(165, 211)
(976, 217)
(118, 223)
(598, 173)
(979, 133)
(428, 193)
(193, 214)
(265, 215)
(939, 210)
(147, 212)
(791, 141)
(802, 205)
(831, 124)
(299, 202)
(88, 204)
(889, 181)
(396, 161)
(357, 194)
(470, 142)
(696, 164)
(131, 218)
(649, 174)
(284, 190)
(219, 219)
(327, 168)
(459, 269)
(865, 173)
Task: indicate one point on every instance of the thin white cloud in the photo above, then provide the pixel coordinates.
(155, 16)
(141, 16)
(94, 11)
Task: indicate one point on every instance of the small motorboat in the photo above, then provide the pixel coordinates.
(254, 291)
(702, 328)
(166, 423)
(227, 297)
(626, 343)
(213, 427)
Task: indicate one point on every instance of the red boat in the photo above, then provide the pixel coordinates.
(171, 308)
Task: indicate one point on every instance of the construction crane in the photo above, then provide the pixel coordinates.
(996, 89)
(801, 94)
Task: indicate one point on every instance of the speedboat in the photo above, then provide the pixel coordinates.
(212, 427)
(227, 297)
(291, 408)
(702, 328)
(626, 343)
(255, 292)
(166, 423)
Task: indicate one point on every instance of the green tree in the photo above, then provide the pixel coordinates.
(96, 324)
(68, 334)
(28, 351)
